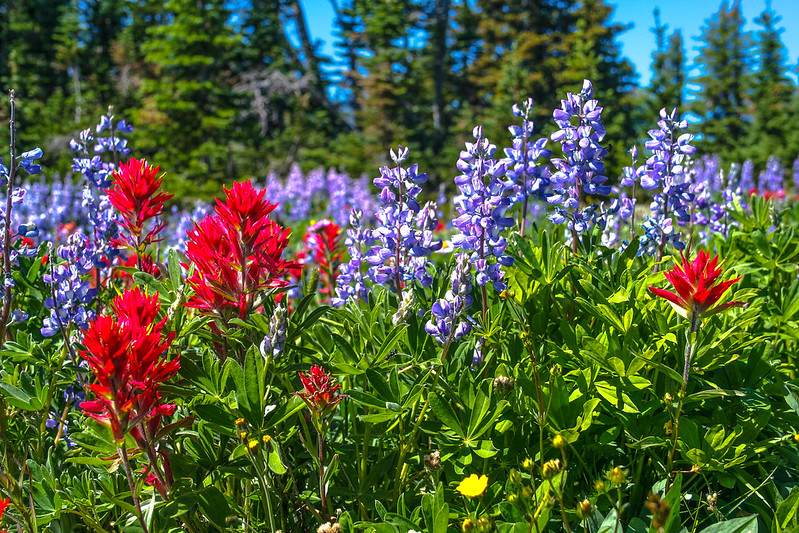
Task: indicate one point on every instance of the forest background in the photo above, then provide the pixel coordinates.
(221, 90)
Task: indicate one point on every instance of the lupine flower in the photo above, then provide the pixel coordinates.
(72, 290)
(527, 177)
(481, 207)
(402, 247)
(666, 169)
(351, 282)
(448, 322)
(272, 345)
(320, 391)
(136, 194)
(696, 288)
(126, 352)
(237, 252)
(581, 170)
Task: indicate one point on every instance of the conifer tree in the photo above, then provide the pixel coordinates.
(723, 99)
(771, 95)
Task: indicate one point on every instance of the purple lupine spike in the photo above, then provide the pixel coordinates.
(448, 322)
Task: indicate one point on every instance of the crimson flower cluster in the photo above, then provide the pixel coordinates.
(321, 391)
(126, 350)
(135, 193)
(697, 291)
(237, 254)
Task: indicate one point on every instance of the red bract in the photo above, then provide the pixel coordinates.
(126, 352)
(237, 253)
(3, 504)
(136, 195)
(320, 391)
(696, 292)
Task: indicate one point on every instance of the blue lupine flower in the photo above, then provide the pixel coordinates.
(449, 322)
(481, 206)
(272, 345)
(351, 281)
(403, 239)
(527, 177)
(581, 170)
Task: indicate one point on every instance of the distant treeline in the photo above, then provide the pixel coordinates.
(220, 90)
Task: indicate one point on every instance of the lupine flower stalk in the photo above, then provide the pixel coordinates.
(351, 283)
(581, 171)
(402, 247)
(448, 321)
(522, 161)
(26, 161)
(666, 169)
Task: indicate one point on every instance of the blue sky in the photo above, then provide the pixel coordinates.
(638, 42)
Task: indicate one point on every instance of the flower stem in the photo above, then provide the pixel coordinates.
(7, 229)
(690, 349)
(123, 452)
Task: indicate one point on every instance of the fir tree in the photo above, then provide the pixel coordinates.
(723, 101)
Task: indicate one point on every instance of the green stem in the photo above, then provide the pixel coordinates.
(123, 452)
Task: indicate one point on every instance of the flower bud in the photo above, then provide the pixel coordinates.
(617, 475)
(584, 509)
(551, 468)
(558, 441)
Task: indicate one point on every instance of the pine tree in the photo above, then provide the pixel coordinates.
(771, 96)
(668, 69)
(188, 107)
(723, 100)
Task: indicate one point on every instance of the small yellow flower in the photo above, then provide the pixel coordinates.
(558, 441)
(473, 486)
(243, 434)
(267, 439)
(239, 421)
(796, 437)
(527, 464)
(252, 444)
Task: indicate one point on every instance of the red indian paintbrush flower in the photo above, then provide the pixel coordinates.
(126, 351)
(135, 193)
(3, 504)
(696, 292)
(237, 253)
(320, 391)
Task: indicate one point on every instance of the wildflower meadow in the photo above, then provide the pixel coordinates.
(545, 346)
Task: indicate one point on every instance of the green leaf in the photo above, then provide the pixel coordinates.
(787, 510)
(443, 410)
(214, 506)
(747, 524)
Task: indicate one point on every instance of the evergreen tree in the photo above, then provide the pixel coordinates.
(668, 69)
(771, 96)
(188, 107)
(723, 100)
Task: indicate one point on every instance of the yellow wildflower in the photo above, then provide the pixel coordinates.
(473, 486)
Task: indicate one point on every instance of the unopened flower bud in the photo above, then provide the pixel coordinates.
(617, 475)
(584, 509)
(558, 441)
(668, 399)
(467, 526)
(527, 464)
(551, 469)
(514, 476)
